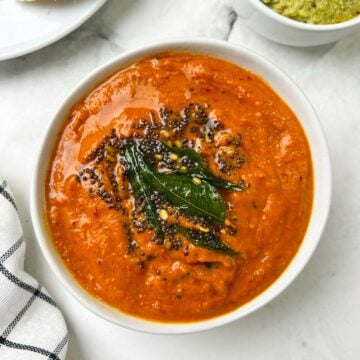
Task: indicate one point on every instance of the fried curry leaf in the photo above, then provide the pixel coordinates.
(218, 182)
(208, 241)
(140, 188)
(197, 168)
(180, 190)
(200, 200)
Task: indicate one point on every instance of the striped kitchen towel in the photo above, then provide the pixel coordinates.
(31, 325)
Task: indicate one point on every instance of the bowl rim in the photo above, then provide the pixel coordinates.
(83, 87)
(259, 5)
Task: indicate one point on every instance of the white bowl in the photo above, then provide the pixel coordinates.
(279, 28)
(283, 86)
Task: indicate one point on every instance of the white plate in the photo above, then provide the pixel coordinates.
(29, 26)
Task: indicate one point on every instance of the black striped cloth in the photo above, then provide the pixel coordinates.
(31, 325)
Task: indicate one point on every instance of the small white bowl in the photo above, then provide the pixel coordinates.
(274, 26)
(283, 86)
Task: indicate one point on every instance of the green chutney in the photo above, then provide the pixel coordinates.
(316, 11)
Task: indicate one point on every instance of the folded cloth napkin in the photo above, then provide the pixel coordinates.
(31, 325)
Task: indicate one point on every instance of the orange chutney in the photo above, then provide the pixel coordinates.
(267, 220)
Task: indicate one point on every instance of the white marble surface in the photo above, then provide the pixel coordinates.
(318, 317)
